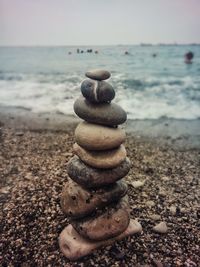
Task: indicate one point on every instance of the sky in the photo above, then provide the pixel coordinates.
(98, 22)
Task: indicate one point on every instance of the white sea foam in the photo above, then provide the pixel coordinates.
(146, 88)
(152, 102)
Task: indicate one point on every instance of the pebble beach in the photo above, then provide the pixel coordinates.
(163, 190)
(99, 134)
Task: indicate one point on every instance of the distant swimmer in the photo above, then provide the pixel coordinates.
(188, 57)
(126, 53)
(154, 55)
(69, 53)
(78, 50)
(96, 51)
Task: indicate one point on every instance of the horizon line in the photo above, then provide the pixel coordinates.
(63, 45)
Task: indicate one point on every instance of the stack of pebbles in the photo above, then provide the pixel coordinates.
(95, 197)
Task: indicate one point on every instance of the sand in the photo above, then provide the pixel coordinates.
(34, 151)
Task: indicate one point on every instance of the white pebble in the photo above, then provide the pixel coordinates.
(161, 228)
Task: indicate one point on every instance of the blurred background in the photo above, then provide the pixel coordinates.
(46, 47)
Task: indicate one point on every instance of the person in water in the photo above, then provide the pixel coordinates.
(188, 57)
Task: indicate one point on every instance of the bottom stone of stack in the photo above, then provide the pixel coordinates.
(74, 246)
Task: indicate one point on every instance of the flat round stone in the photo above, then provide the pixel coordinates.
(111, 222)
(98, 74)
(105, 159)
(98, 137)
(91, 177)
(75, 247)
(77, 202)
(97, 91)
(109, 114)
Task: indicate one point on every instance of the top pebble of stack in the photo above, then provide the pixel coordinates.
(98, 75)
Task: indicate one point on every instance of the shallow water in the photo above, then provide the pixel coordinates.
(47, 79)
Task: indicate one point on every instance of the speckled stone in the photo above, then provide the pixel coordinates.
(97, 91)
(104, 159)
(111, 222)
(98, 137)
(98, 74)
(91, 177)
(74, 246)
(109, 114)
(77, 202)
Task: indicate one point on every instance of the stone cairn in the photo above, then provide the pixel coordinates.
(95, 197)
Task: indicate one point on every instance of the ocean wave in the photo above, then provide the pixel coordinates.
(148, 98)
(146, 87)
(40, 77)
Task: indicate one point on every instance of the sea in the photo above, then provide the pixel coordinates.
(151, 81)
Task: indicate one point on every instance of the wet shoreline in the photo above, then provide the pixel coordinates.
(176, 132)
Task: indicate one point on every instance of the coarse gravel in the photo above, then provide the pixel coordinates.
(33, 172)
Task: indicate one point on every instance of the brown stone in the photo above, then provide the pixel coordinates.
(92, 177)
(98, 137)
(111, 222)
(101, 159)
(77, 202)
(74, 246)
